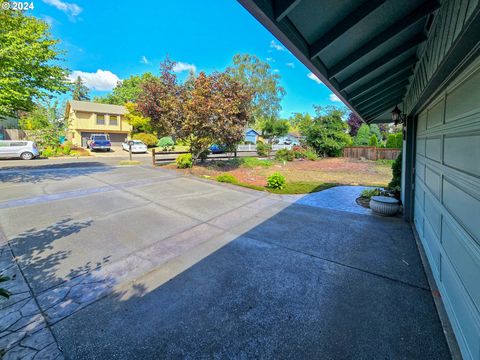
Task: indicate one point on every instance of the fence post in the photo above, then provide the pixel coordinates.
(153, 156)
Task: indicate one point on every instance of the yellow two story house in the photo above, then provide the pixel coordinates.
(86, 118)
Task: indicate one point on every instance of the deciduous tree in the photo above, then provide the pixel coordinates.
(29, 59)
(264, 84)
(328, 132)
(301, 121)
(273, 128)
(161, 100)
(210, 109)
(127, 90)
(216, 111)
(140, 124)
(354, 123)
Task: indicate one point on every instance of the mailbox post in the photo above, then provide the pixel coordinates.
(130, 143)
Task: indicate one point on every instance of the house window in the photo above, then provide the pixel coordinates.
(113, 120)
(100, 119)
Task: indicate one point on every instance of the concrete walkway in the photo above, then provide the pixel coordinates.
(337, 198)
(141, 263)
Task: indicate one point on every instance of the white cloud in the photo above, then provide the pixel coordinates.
(334, 98)
(144, 60)
(181, 66)
(276, 70)
(290, 65)
(276, 46)
(314, 77)
(48, 19)
(270, 59)
(101, 80)
(71, 9)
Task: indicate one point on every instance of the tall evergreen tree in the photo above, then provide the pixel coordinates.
(80, 91)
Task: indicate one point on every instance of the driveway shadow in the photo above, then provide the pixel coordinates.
(56, 172)
(279, 290)
(35, 253)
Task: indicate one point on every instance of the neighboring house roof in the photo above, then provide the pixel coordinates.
(252, 130)
(92, 107)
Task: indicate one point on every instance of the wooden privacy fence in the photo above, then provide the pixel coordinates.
(169, 156)
(370, 152)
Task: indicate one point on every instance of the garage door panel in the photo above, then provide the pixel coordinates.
(422, 123)
(433, 245)
(420, 169)
(464, 258)
(447, 201)
(432, 213)
(435, 114)
(462, 152)
(464, 207)
(421, 146)
(419, 220)
(420, 196)
(462, 100)
(462, 312)
(433, 148)
(433, 181)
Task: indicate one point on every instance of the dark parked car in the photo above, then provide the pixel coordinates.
(99, 142)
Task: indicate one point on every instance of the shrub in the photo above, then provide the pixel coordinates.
(327, 133)
(396, 182)
(394, 140)
(166, 143)
(263, 149)
(285, 155)
(66, 149)
(311, 155)
(227, 178)
(373, 141)
(49, 152)
(149, 139)
(276, 181)
(299, 152)
(368, 193)
(184, 161)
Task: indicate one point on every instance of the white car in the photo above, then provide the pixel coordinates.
(26, 150)
(138, 146)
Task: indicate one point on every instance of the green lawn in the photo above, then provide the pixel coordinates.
(289, 188)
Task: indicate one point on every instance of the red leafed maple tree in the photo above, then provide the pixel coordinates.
(210, 109)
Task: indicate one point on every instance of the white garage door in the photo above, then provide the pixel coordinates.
(447, 201)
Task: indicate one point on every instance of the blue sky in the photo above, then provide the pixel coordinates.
(109, 40)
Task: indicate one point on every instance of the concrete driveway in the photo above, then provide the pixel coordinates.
(141, 263)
